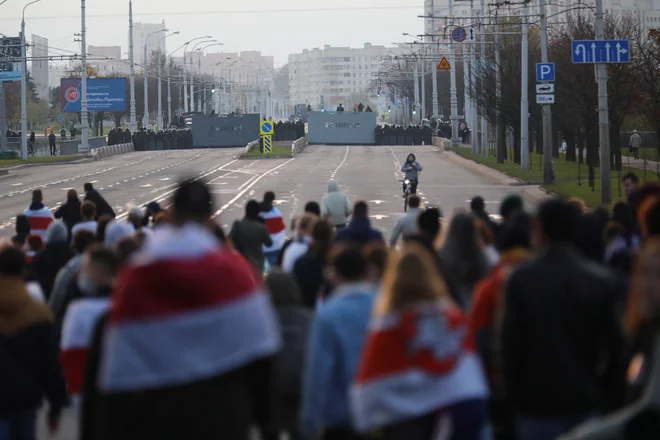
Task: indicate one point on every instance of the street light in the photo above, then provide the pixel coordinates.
(199, 70)
(145, 121)
(192, 72)
(169, 85)
(160, 103)
(185, 77)
(218, 96)
(23, 86)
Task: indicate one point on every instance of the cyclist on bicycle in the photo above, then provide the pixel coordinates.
(412, 169)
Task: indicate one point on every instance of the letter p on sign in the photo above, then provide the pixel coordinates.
(545, 72)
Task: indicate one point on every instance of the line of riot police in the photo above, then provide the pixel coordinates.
(289, 130)
(171, 139)
(399, 135)
(118, 136)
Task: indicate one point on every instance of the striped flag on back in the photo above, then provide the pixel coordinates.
(415, 363)
(40, 218)
(276, 228)
(184, 310)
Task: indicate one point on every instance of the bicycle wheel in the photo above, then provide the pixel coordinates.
(405, 201)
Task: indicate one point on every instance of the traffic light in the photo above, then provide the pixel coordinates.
(212, 90)
(388, 109)
(414, 112)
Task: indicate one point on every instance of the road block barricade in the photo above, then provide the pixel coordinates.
(113, 150)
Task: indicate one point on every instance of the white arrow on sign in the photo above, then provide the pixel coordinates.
(620, 51)
(545, 99)
(545, 88)
(607, 52)
(584, 52)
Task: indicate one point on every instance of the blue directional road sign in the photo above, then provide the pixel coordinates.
(60, 118)
(600, 51)
(545, 72)
(266, 128)
(10, 76)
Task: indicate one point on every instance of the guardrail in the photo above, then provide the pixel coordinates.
(441, 142)
(298, 145)
(249, 146)
(112, 150)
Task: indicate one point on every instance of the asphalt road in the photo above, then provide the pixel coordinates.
(367, 173)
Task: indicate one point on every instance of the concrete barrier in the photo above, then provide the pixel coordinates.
(251, 145)
(298, 145)
(112, 150)
(441, 142)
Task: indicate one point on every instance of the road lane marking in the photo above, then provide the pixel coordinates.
(247, 188)
(334, 173)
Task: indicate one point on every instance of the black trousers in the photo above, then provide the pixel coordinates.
(413, 187)
(53, 150)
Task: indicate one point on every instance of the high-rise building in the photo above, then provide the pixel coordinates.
(331, 75)
(107, 60)
(155, 42)
(39, 65)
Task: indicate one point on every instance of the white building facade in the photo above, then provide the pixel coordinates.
(154, 43)
(39, 66)
(330, 76)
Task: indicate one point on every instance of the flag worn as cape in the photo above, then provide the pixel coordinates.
(184, 310)
(415, 363)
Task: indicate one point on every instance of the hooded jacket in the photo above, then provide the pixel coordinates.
(334, 205)
(48, 262)
(102, 206)
(29, 365)
(359, 231)
(40, 218)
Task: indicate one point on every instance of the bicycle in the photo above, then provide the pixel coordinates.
(407, 184)
(31, 150)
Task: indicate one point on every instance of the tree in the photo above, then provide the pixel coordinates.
(647, 60)
(13, 99)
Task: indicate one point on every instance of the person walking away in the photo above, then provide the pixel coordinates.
(28, 355)
(250, 235)
(309, 269)
(335, 206)
(411, 168)
(419, 374)
(478, 208)
(151, 356)
(69, 212)
(561, 349)
(53, 257)
(516, 247)
(88, 214)
(52, 143)
(62, 292)
(295, 321)
(464, 262)
(102, 207)
(300, 245)
(274, 222)
(407, 224)
(635, 144)
(336, 343)
(359, 230)
(96, 280)
(22, 231)
(38, 215)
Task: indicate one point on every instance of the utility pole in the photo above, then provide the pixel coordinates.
(467, 103)
(84, 146)
(3, 119)
(501, 142)
(185, 81)
(482, 63)
(524, 99)
(548, 177)
(416, 89)
(424, 83)
(132, 62)
(453, 98)
(603, 115)
(473, 84)
(169, 96)
(434, 70)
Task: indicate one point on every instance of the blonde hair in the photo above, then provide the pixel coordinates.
(411, 277)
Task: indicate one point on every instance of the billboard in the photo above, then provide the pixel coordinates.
(342, 128)
(103, 95)
(224, 130)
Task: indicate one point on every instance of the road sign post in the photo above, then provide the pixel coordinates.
(545, 72)
(444, 64)
(600, 51)
(267, 143)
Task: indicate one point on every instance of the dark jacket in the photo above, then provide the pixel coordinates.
(102, 207)
(248, 237)
(69, 213)
(560, 325)
(358, 231)
(49, 261)
(308, 272)
(29, 358)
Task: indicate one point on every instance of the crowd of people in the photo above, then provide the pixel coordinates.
(289, 130)
(400, 135)
(163, 326)
(170, 139)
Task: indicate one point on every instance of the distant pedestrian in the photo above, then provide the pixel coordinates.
(102, 206)
(38, 215)
(250, 235)
(52, 143)
(635, 144)
(335, 206)
(69, 212)
(359, 230)
(300, 245)
(54, 256)
(274, 222)
(407, 224)
(88, 213)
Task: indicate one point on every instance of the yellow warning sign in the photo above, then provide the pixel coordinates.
(444, 64)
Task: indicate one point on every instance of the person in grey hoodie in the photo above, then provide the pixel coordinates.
(412, 169)
(335, 206)
(407, 225)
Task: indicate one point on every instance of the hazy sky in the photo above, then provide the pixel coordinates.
(274, 28)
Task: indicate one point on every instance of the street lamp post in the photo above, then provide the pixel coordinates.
(199, 71)
(185, 77)
(24, 85)
(84, 135)
(145, 121)
(192, 72)
(169, 84)
(160, 102)
(132, 67)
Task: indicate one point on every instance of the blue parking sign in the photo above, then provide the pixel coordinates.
(545, 72)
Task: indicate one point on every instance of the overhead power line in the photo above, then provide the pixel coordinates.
(223, 12)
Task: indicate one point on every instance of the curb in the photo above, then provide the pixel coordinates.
(43, 164)
(264, 156)
(482, 169)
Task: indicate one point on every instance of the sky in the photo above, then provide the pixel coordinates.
(274, 28)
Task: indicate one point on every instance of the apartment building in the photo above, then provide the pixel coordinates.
(154, 42)
(330, 76)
